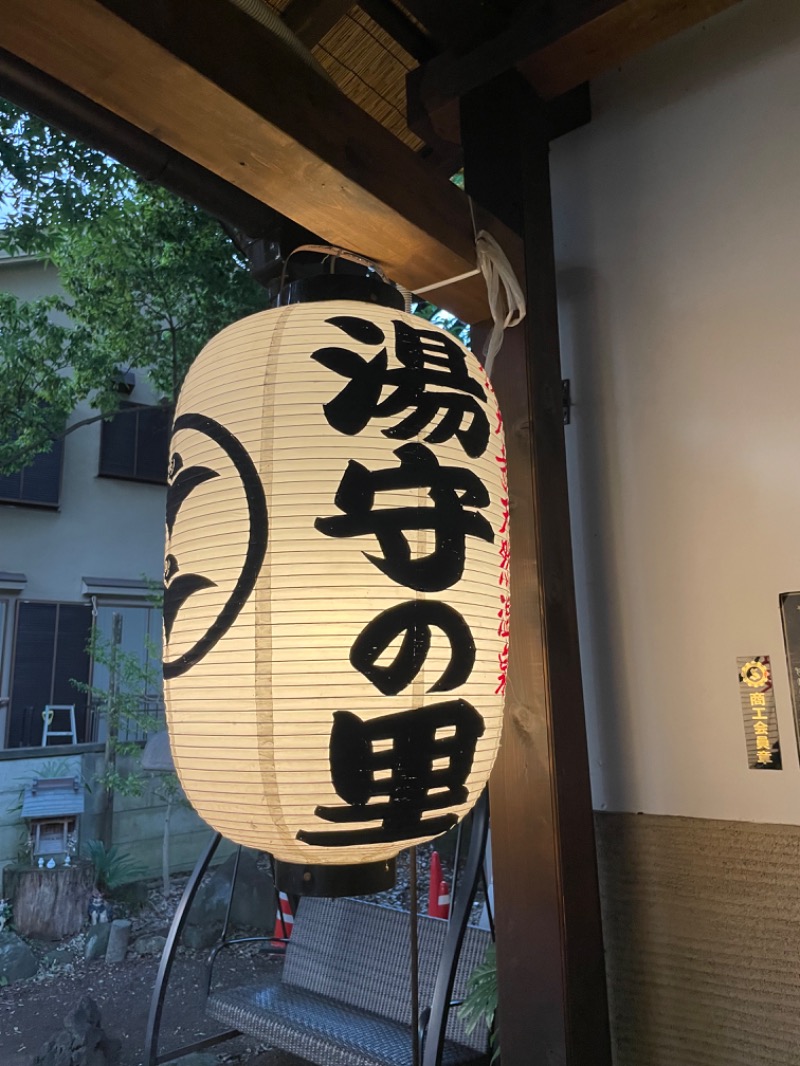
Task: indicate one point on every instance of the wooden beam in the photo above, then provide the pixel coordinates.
(442, 126)
(624, 29)
(552, 992)
(265, 122)
(310, 20)
(559, 46)
(34, 91)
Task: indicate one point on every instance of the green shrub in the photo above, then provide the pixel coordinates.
(112, 867)
(480, 1002)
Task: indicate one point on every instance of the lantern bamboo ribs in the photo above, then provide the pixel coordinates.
(336, 604)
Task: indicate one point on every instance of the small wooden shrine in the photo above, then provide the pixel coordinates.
(51, 807)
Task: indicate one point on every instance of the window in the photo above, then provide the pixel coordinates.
(51, 644)
(50, 650)
(134, 444)
(37, 484)
(11, 584)
(139, 633)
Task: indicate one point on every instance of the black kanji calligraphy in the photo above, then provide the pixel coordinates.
(432, 382)
(396, 769)
(414, 619)
(452, 491)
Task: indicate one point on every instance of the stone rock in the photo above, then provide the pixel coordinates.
(157, 754)
(97, 941)
(199, 937)
(17, 961)
(132, 897)
(118, 941)
(84, 1017)
(81, 1042)
(149, 945)
(253, 902)
(58, 957)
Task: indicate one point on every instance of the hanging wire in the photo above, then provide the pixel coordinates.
(414, 907)
(229, 906)
(456, 865)
(488, 898)
(335, 253)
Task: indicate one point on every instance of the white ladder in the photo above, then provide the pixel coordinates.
(48, 714)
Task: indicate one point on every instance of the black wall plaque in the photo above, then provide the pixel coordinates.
(758, 709)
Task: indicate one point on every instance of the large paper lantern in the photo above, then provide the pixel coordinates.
(336, 582)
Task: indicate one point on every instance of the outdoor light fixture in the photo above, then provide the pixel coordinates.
(336, 582)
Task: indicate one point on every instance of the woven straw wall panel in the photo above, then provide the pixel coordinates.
(701, 921)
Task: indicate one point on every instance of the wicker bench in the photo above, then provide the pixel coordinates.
(342, 997)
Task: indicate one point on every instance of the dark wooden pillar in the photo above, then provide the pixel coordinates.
(553, 1007)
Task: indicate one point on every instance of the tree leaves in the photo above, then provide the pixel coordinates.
(148, 280)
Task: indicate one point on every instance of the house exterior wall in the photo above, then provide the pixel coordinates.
(103, 527)
(677, 225)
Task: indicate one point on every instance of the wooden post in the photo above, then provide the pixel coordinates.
(552, 992)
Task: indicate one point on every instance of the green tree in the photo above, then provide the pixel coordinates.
(148, 280)
(431, 313)
(124, 703)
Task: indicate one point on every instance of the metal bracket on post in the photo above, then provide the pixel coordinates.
(151, 1056)
(457, 925)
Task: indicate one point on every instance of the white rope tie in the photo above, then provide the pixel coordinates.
(447, 281)
(506, 298)
(504, 292)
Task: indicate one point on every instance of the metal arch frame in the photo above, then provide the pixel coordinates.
(433, 1036)
(151, 1056)
(434, 1021)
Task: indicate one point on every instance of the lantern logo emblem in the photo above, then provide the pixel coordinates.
(179, 586)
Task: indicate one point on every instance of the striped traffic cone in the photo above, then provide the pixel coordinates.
(444, 900)
(284, 920)
(434, 888)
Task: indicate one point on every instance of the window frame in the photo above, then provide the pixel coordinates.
(112, 602)
(56, 453)
(92, 727)
(133, 413)
(87, 724)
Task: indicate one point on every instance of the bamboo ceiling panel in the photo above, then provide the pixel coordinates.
(369, 67)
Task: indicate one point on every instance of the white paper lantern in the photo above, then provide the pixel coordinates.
(336, 604)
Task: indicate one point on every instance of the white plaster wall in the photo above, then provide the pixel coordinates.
(677, 215)
(104, 527)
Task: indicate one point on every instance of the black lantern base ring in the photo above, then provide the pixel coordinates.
(359, 879)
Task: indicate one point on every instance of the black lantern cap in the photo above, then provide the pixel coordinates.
(357, 879)
(365, 288)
